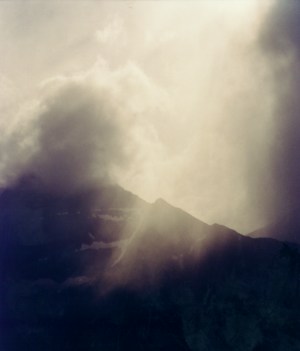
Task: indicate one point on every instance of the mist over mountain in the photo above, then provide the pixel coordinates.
(192, 106)
(285, 228)
(103, 269)
(75, 139)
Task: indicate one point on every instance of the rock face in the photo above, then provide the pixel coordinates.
(104, 270)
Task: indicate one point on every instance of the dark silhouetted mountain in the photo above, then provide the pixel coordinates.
(104, 270)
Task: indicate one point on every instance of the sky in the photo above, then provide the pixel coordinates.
(191, 101)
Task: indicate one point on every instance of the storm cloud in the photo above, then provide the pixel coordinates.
(279, 42)
(78, 136)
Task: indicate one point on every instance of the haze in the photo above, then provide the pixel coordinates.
(173, 100)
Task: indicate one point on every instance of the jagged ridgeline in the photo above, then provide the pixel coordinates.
(104, 270)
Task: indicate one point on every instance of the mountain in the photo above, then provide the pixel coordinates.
(104, 270)
(286, 229)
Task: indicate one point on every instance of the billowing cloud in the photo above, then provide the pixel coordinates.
(79, 138)
(82, 130)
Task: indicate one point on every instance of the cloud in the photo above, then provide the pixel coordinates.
(79, 139)
(82, 131)
(280, 44)
(112, 32)
(195, 97)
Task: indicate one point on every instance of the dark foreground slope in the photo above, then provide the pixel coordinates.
(103, 270)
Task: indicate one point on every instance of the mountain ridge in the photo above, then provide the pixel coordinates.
(103, 269)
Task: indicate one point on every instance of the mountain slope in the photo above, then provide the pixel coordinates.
(104, 270)
(285, 229)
